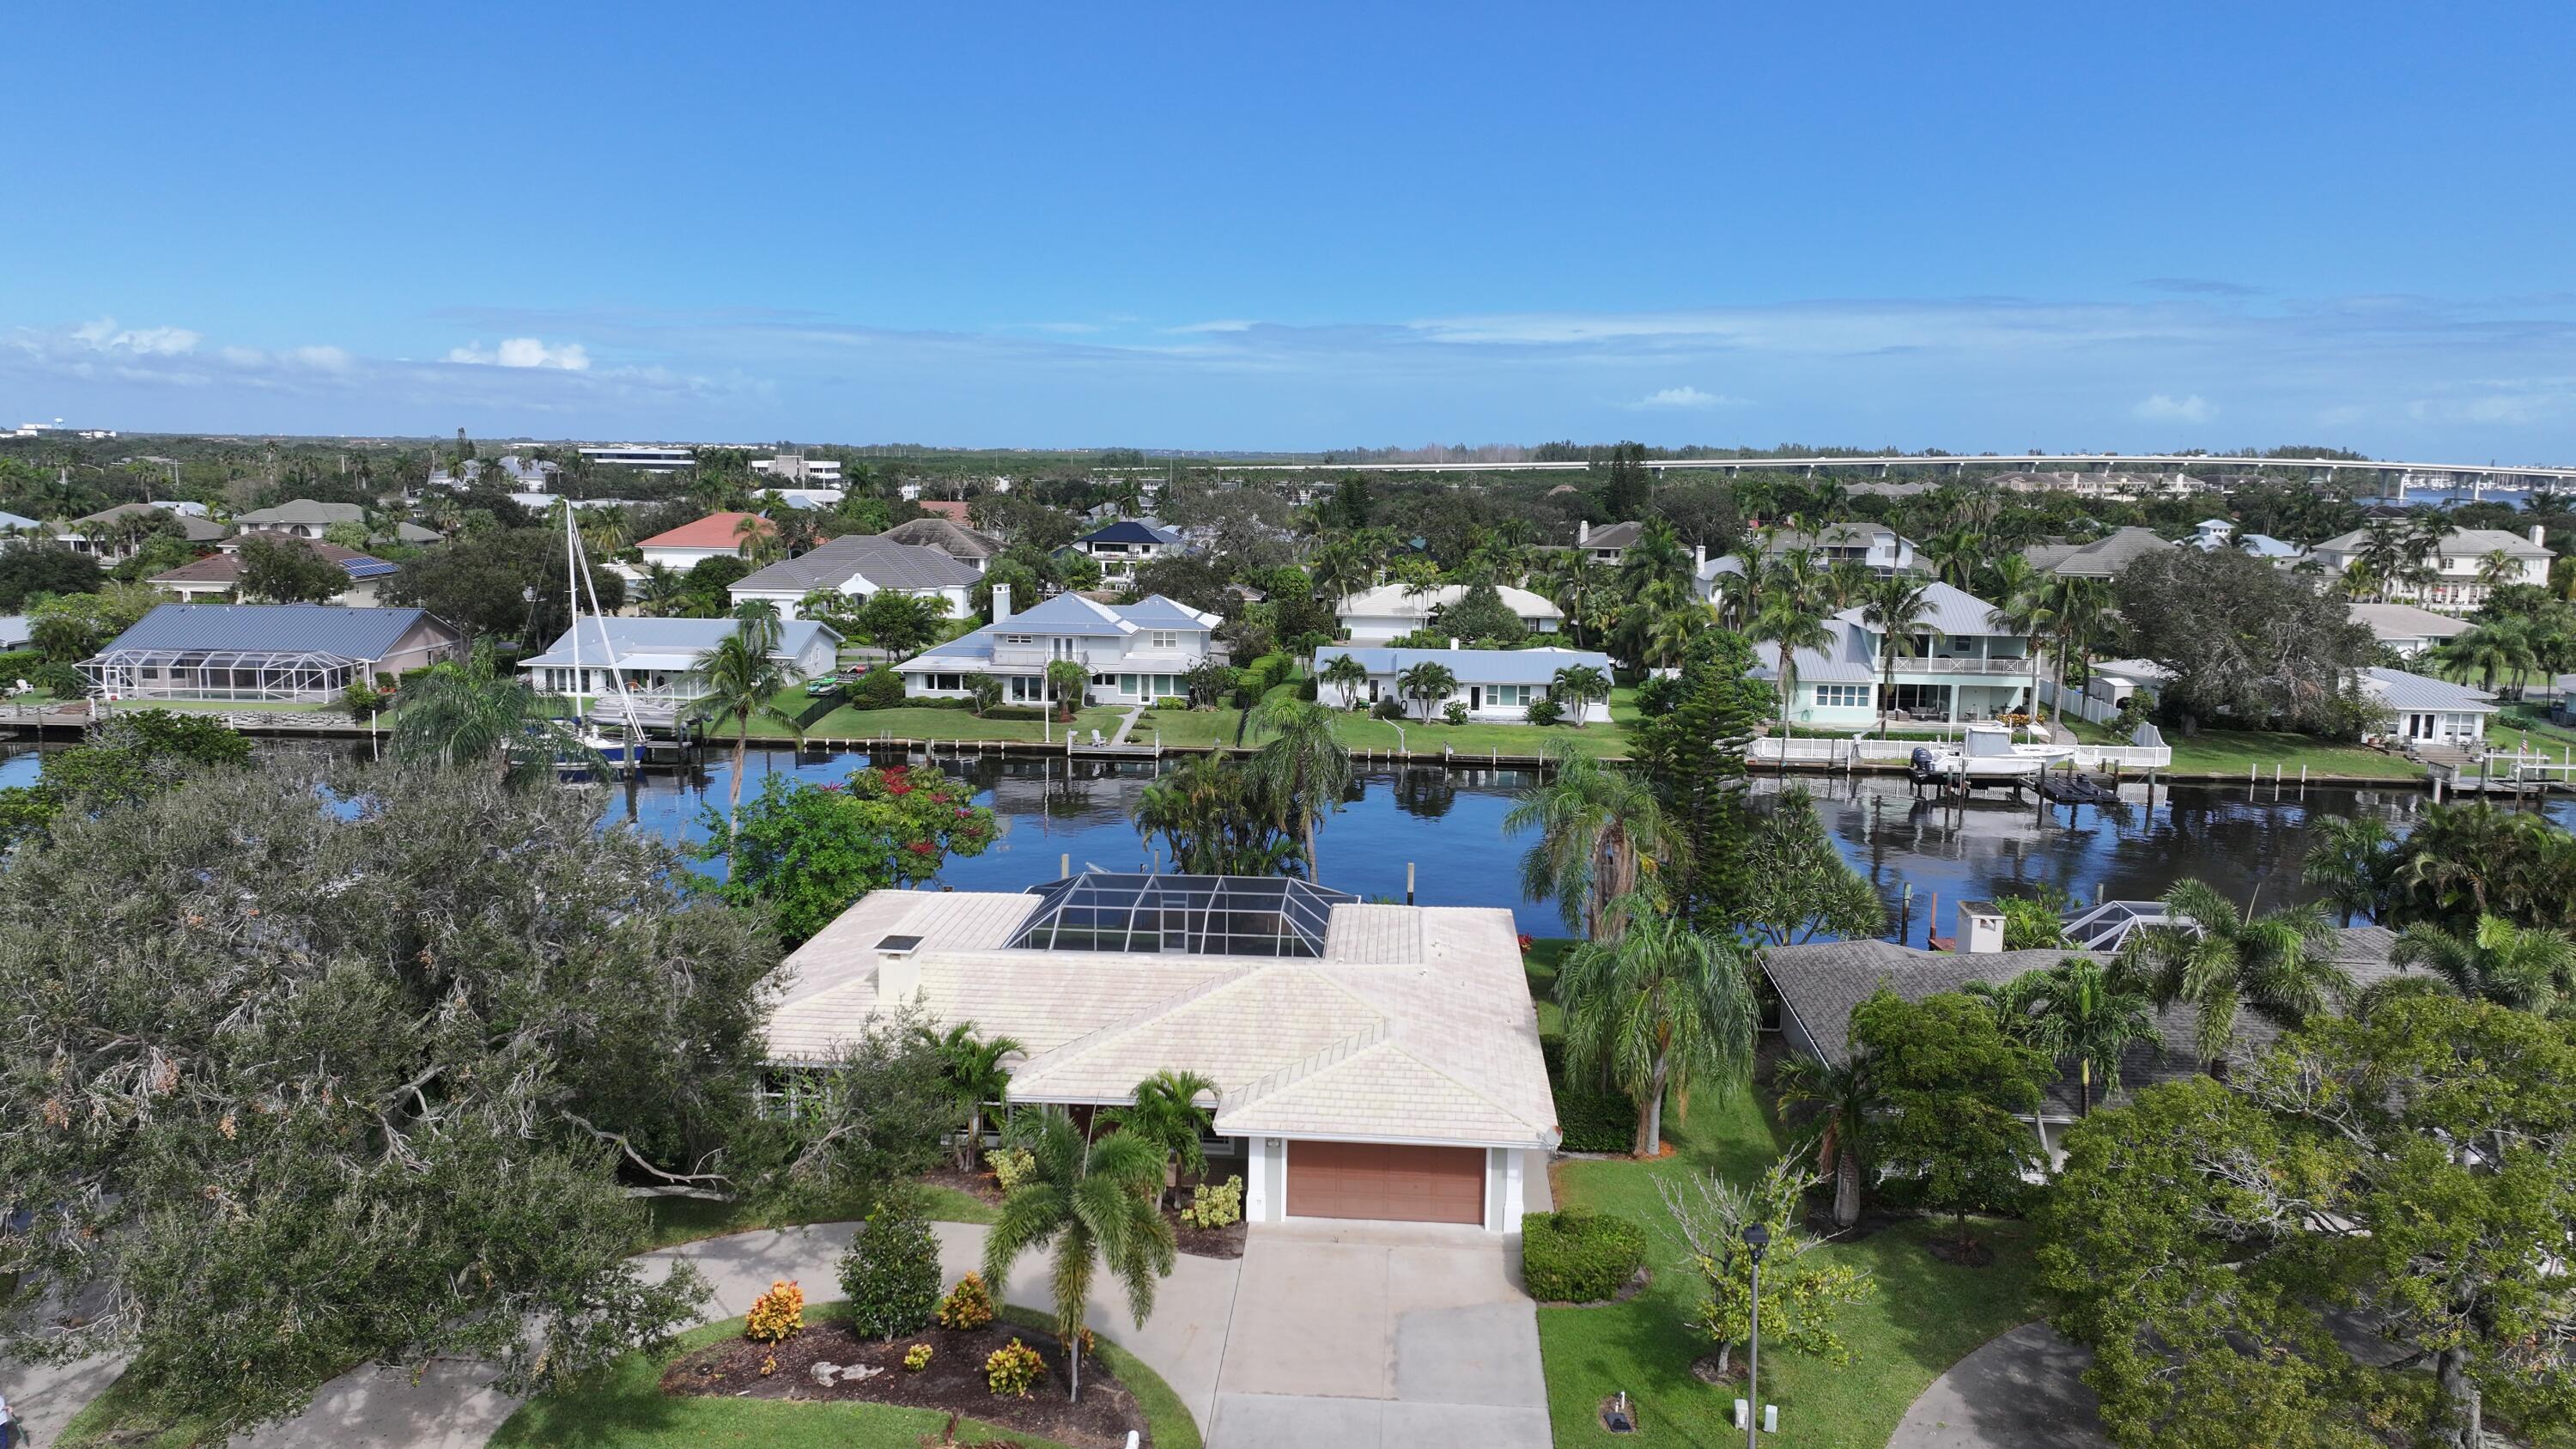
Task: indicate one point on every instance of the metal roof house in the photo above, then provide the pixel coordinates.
(2427, 711)
(269, 653)
(1494, 684)
(658, 659)
(1961, 666)
(1389, 611)
(1119, 547)
(2406, 628)
(2103, 558)
(1136, 653)
(860, 566)
(1373, 1062)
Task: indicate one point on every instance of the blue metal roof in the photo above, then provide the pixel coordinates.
(1473, 666)
(323, 628)
(669, 636)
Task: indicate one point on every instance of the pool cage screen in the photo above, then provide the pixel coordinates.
(1198, 915)
(290, 676)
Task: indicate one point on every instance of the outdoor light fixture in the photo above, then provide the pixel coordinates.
(1757, 1237)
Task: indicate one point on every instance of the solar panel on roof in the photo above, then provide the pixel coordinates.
(1199, 915)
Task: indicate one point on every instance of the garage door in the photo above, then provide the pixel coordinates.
(1382, 1180)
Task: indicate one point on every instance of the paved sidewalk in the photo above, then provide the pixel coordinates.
(47, 1395)
(2018, 1390)
(1125, 724)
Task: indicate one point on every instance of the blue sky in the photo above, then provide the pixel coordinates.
(1971, 227)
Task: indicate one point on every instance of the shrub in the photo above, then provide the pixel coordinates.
(1171, 701)
(1215, 1207)
(1593, 1119)
(1012, 1166)
(777, 1314)
(1389, 708)
(1578, 1256)
(1013, 1369)
(917, 1357)
(877, 689)
(1545, 712)
(361, 700)
(1454, 712)
(890, 1275)
(62, 681)
(968, 1306)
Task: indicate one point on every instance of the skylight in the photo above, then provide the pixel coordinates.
(1197, 915)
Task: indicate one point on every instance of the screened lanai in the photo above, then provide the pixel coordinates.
(1199, 915)
(280, 676)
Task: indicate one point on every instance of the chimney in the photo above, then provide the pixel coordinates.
(1699, 558)
(898, 970)
(1981, 927)
(2538, 533)
(1001, 602)
(1453, 641)
(1582, 532)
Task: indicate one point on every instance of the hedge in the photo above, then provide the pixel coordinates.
(1592, 1119)
(1578, 1256)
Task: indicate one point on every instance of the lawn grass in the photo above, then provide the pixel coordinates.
(126, 1417)
(2229, 754)
(676, 1220)
(915, 722)
(1925, 1316)
(2516, 724)
(1201, 728)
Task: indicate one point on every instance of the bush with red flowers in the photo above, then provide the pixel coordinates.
(807, 852)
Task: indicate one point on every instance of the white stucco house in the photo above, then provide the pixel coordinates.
(1371, 1062)
(1119, 548)
(2460, 565)
(1876, 547)
(718, 535)
(1136, 653)
(1495, 684)
(302, 517)
(860, 566)
(1961, 667)
(1373, 616)
(2428, 711)
(657, 659)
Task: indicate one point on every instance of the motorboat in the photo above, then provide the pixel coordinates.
(1987, 751)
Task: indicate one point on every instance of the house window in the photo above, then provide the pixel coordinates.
(1507, 694)
(1842, 696)
(1167, 641)
(1019, 639)
(1063, 648)
(1027, 688)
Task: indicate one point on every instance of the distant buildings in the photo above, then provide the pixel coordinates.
(797, 470)
(2120, 486)
(265, 653)
(642, 457)
(2102, 558)
(113, 535)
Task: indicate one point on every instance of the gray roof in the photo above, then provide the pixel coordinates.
(1819, 983)
(306, 511)
(193, 528)
(414, 533)
(15, 630)
(2400, 690)
(2458, 543)
(861, 555)
(667, 636)
(349, 633)
(2103, 558)
(1947, 610)
(2405, 621)
(12, 520)
(946, 535)
(1067, 614)
(1613, 535)
(1837, 535)
(1474, 666)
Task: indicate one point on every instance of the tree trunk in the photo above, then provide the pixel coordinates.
(1846, 1188)
(1314, 872)
(741, 756)
(2467, 1411)
(1650, 1114)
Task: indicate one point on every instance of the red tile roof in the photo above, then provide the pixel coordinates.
(716, 530)
(954, 512)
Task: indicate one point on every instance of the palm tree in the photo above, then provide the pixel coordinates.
(1578, 686)
(462, 712)
(756, 539)
(2025, 611)
(1093, 1203)
(2354, 862)
(2498, 568)
(1579, 585)
(2528, 968)
(1601, 834)
(2076, 608)
(1845, 1098)
(2076, 1010)
(1954, 555)
(663, 588)
(1791, 624)
(2487, 651)
(1165, 1112)
(1304, 769)
(1068, 680)
(1658, 1008)
(1426, 684)
(1893, 606)
(1349, 676)
(2220, 961)
(974, 1068)
(739, 681)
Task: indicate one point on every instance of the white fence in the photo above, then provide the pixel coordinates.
(1839, 753)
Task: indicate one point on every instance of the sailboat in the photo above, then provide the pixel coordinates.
(623, 751)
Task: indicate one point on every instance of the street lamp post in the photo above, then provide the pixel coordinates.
(1757, 1237)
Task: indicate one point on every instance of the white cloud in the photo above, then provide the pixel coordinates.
(104, 335)
(1684, 399)
(1223, 324)
(524, 352)
(2162, 408)
(328, 359)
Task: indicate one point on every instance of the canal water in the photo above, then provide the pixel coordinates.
(1446, 824)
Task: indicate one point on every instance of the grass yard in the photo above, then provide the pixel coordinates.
(912, 722)
(1202, 728)
(623, 1405)
(2517, 724)
(2228, 754)
(1925, 1316)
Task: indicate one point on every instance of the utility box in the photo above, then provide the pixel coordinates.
(1981, 926)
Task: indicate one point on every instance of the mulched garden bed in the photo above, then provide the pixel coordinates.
(978, 1185)
(953, 1383)
(1225, 1242)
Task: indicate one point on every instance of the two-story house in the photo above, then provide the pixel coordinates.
(2464, 566)
(302, 517)
(1609, 543)
(718, 535)
(1120, 547)
(1136, 653)
(1881, 549)
(1956, 665)
(656, 662)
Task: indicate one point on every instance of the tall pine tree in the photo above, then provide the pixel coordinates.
(1694, 754)
(1629, 490)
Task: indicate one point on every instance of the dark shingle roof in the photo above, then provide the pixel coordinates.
(348, 633)
(884, 564)
(949, 537)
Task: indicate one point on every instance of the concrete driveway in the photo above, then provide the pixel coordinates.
(1357, 1335)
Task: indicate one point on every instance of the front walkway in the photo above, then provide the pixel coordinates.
(2018, 1390)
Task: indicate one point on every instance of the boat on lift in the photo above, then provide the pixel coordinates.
(1987, 751)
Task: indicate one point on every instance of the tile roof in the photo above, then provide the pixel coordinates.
(1390, 600)
(954, 510)
(303, 511)
(1415, 1026)
(323, 628)
(716, 530)
(225, 567)
(2390, 622)
(1473, 666)
(946, 535)
(883, 563)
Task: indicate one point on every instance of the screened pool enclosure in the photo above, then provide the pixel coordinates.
(283, 676)
(1198, 915)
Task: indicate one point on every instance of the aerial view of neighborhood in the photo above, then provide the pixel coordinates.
(563, 886)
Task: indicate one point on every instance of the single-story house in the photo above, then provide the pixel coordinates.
(1373, 616)
(1494, 684)
(860, 566)
(954, 539)
(302, 517)
(1120, 547)
(718, 535)
(658, 659)
(2408, 629)
(2426, 710)
(2109, 685)
(283, 653)
(1820, 982)
(216, 576)
(108, 540)
(413, 533)
(1137, 653)
(1372, 1062)
(2102, 558)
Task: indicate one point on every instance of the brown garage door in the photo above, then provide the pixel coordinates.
(1382, 1180)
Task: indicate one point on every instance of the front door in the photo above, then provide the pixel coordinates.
(1475, 696)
